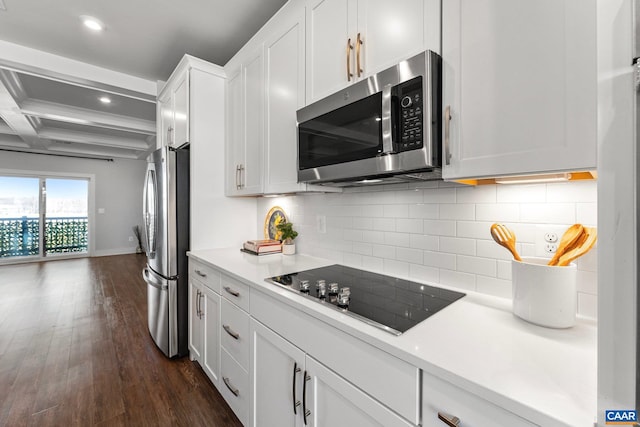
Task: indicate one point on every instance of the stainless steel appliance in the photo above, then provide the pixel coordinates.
(391, 304)
(166, 221)
(384, 128)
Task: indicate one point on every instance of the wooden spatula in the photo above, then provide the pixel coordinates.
(580, 249)
(505, 237)
(568, 241)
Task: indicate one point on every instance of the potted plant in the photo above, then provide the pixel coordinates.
(286, 233)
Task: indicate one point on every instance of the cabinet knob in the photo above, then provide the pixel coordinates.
(449, 420)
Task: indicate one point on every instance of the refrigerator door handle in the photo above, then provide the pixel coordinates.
(150, 202)
(147, 278)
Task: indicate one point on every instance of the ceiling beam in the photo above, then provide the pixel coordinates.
(10, 110)
(93, 139)
(88, 150)
(5, 129)
(69, 114)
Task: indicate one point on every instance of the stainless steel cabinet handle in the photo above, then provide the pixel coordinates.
(231, 291)
(200, 273)
(296, 403)
(237, 177)
(228, 329)
(232, 389)
(449, 420)
(447, 135)
(305, 412)
(201, 310)
(242, 176)
(169, 135)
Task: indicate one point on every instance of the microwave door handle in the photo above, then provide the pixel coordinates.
(387, 131)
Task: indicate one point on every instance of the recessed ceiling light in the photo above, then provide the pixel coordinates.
(92, 23)
(105, 100)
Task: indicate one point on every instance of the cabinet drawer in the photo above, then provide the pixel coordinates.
(441, 396)
(235, 291)
(234, 387)
(204, 274)
(235, 333)
(388, 379)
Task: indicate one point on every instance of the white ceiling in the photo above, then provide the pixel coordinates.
(45, 111)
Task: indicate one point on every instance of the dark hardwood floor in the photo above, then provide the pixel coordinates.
(75, 350)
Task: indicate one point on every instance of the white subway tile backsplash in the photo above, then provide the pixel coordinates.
(384, 251)
(548, 213)
(458, 211)
(427, 274)
(409, 225)
(500, 212)
(412, 256)
(395, 268)
(578, 191)
(439, 227)
(459, 280)
(476, 194)
(492, 286)
(440, 260)
(587, 213)
(384, 224)
(425, 211)
(531, 193)
(456, 245)
(397, 239)
(419, 241)
(477, 265)
(439, 231)
(395, 211)
(440, 195)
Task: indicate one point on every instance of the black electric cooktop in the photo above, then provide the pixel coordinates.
(392, 304)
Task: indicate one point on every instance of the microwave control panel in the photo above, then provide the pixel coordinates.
(410, 124)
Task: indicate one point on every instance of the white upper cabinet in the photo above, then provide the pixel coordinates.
(173, 111)
(520, 85)
(245, 132)
(352, 39)
(285, 82)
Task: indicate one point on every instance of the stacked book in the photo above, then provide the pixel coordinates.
(262, 247)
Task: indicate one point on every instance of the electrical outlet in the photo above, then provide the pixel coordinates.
(321, 224)
(547, 238)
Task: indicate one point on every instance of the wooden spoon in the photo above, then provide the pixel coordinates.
(505, 237)
(580, 249)
(568, 241)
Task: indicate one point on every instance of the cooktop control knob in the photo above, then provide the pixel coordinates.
(344, 296)
(304, 286)
(406, 102)
(333, 289)
(322, 289)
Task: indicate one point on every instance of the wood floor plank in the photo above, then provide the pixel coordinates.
(75, 351)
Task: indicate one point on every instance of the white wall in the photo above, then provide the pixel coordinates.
(118, 190)
(439, 232)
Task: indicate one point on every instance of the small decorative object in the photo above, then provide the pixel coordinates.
(138, 234)
(275, 216)
(287, 234)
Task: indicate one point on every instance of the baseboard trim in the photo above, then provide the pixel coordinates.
(116, 251)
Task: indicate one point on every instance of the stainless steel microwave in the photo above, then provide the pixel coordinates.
(386, 128)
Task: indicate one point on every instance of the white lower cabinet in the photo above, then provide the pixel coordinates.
(441, 399)
(195, 321)
(291, 388)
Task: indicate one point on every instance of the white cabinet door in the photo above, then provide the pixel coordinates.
(180, 97)
(520, 82)
(245, 131)
(285, 82)
(392, 31)
(333, 401)
(277, 367)
(195, 321)
(211, 346)
(330, 25)
(164, 125)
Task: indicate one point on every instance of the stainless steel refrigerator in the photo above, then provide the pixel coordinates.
(166, 221)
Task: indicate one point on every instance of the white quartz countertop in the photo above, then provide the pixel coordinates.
(547, 376)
